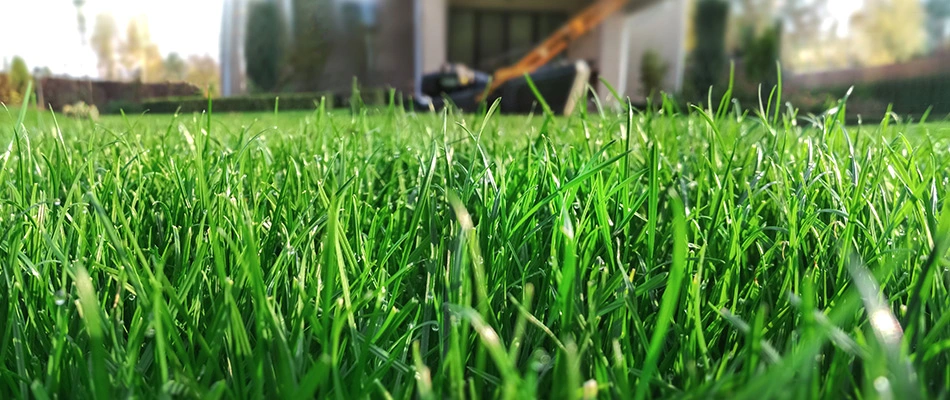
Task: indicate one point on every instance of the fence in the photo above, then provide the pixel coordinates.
(910, 87)
(58, 92)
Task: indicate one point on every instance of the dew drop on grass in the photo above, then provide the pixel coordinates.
(541, 361)
(883, 387)
(590, 389)
(59, 297)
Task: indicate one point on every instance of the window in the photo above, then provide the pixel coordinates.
(361, 12)
(462, 37)
(488, 39)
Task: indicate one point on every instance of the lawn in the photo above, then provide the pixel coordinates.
(387, 254)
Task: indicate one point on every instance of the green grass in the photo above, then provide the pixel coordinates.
(399, 255)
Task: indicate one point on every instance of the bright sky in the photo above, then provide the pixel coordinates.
(842, 10)
(46, 33)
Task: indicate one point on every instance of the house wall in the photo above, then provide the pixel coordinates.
(523, 5)
(378, 57)
(660, 27)
(587, 47)
(391, 47)
(606, 42)
(435, 34)
(341, 66)
(386, 55)
(614, 48)
(394, 45)
(231, 58)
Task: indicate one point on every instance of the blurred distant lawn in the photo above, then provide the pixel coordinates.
(390, 254)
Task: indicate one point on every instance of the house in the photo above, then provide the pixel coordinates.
(233, 17)
(393, 42)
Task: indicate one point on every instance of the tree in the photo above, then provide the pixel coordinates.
(888, 31)
(19, 76)
(310, 47)
(938, 23)
(755, 34)
(153, 64)
(175, 67)
(133, 49)
(749, 18)
(7, 94)
(805, 42)
(263, 45)
(709, 55)
(80, 20)
(203, 72)
(141, 57)
(104, 42)
(761, 53)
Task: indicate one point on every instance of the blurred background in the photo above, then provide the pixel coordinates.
(121, 54)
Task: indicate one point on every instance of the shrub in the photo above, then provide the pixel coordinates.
(262, 102)
(756, 71)
(58, 92)
(761, 53)
(81, 110)
(8, 94)
(294, 101)
(806, 101)
(127, 106)
(709, 57)
(264, 45)
(909, 97)
(13, 84)
(311, 44)
(19, 76)
(652, 71)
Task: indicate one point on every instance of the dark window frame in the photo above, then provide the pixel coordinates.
(479, 60)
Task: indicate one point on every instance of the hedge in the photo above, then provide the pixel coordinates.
(236, 103)
(106, 95)
(911, 96)
(261, 102)
(908, 97)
